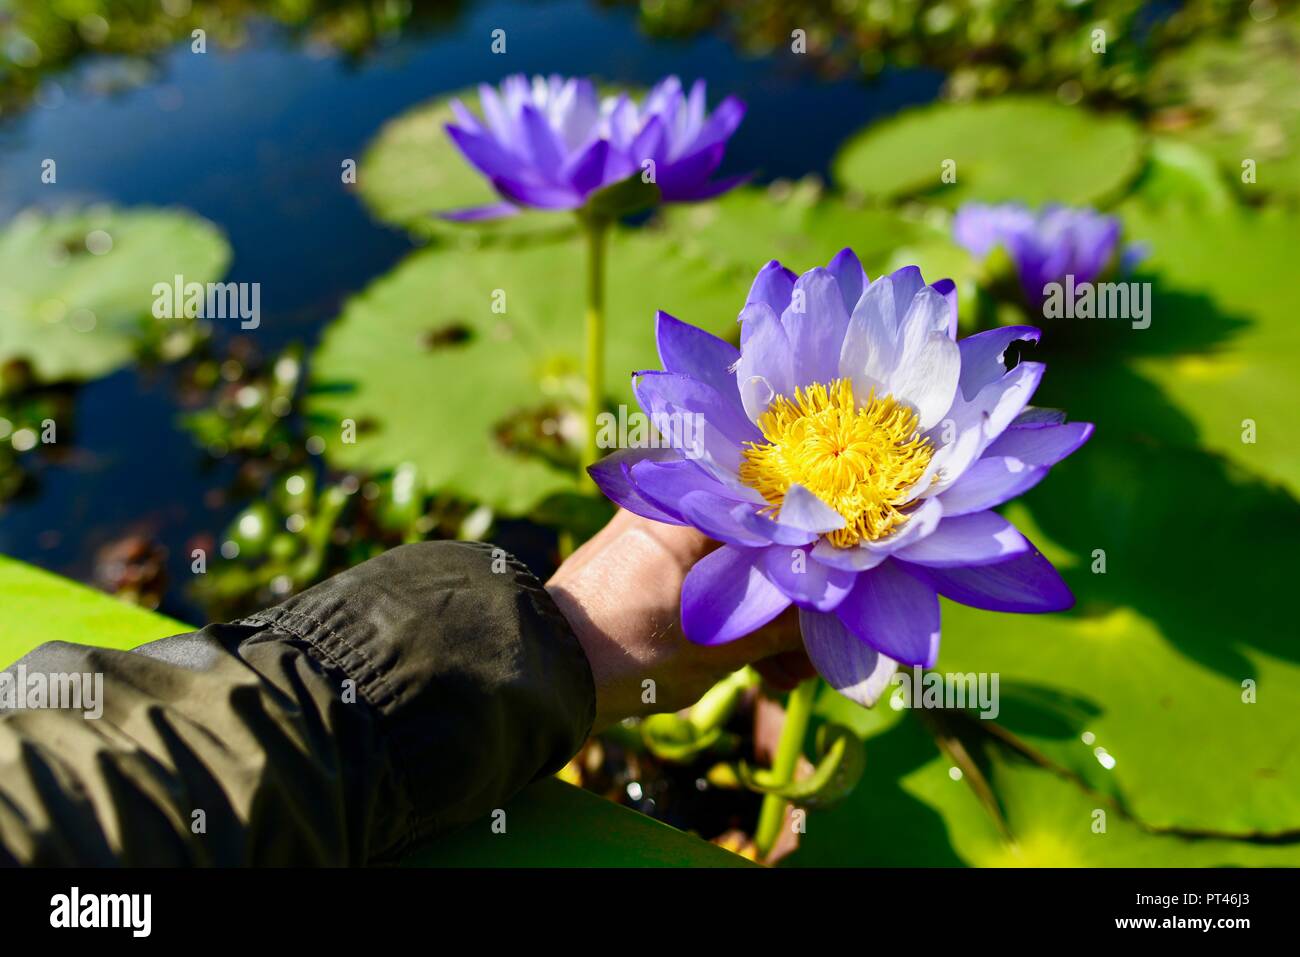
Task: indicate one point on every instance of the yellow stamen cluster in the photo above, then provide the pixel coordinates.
(861, 461)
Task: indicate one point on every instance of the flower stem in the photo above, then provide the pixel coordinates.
(596, 230)
(716, 706)
(798, 709)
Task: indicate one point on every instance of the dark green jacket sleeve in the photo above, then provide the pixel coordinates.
(407, 696)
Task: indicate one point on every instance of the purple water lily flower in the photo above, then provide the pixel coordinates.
(848, 456)
(1045, 246)
(550, 142)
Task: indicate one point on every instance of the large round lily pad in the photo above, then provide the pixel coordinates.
(474, 398)
(76, 289)
(1178, 661)
(412, 171)
(1225, 287)
(1011, 148)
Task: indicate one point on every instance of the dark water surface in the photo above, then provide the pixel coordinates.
(252, 139)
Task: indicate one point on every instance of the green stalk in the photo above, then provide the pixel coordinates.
(798, 709)
(717, 704)
(595, 229)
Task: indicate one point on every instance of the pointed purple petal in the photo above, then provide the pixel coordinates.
(815, 323)
(587, 171)
(765, 352)
(803, 510)
(772, 287)
(663, 482)
(1042, 445)
(929, 362)
(482, 151)
(948, 289)
(544, 147)
(851, 277)
(686, 350)
(808, 583)
(850, 559)
(907, 281)
(495, 115)
(725, 596)
(675, 179)
(465, 118)
(851, 667)
(663, 393)
(1011, 394)
(719, 127)
(981, 538)
(989, 482)
(612, 476)
(696, 420)
(981, 356)
(648, 144)
(894, 612)
(776, 533)
(1027, 583)
(718, 518)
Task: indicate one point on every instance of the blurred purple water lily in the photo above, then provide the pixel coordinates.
(1045, 246)
(551, 142)
(848, 456)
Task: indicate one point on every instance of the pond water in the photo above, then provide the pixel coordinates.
(252, 139)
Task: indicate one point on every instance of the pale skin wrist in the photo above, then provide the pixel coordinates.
(621, 592)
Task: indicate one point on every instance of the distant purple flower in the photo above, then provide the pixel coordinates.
(1045, 246)
(550, 142)
(848, 456)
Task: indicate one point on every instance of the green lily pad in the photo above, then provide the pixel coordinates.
(1238, 98)
(1011, 148)
(1161, 689)
(484, 403)
(794, 223)
(76, 289)
(1180, 174)
(41, 607)
(914, 809)
(1153, 666)
(553, 824)
(1226, 289)
(412, 171)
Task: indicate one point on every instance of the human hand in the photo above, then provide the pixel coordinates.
(621, 593)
